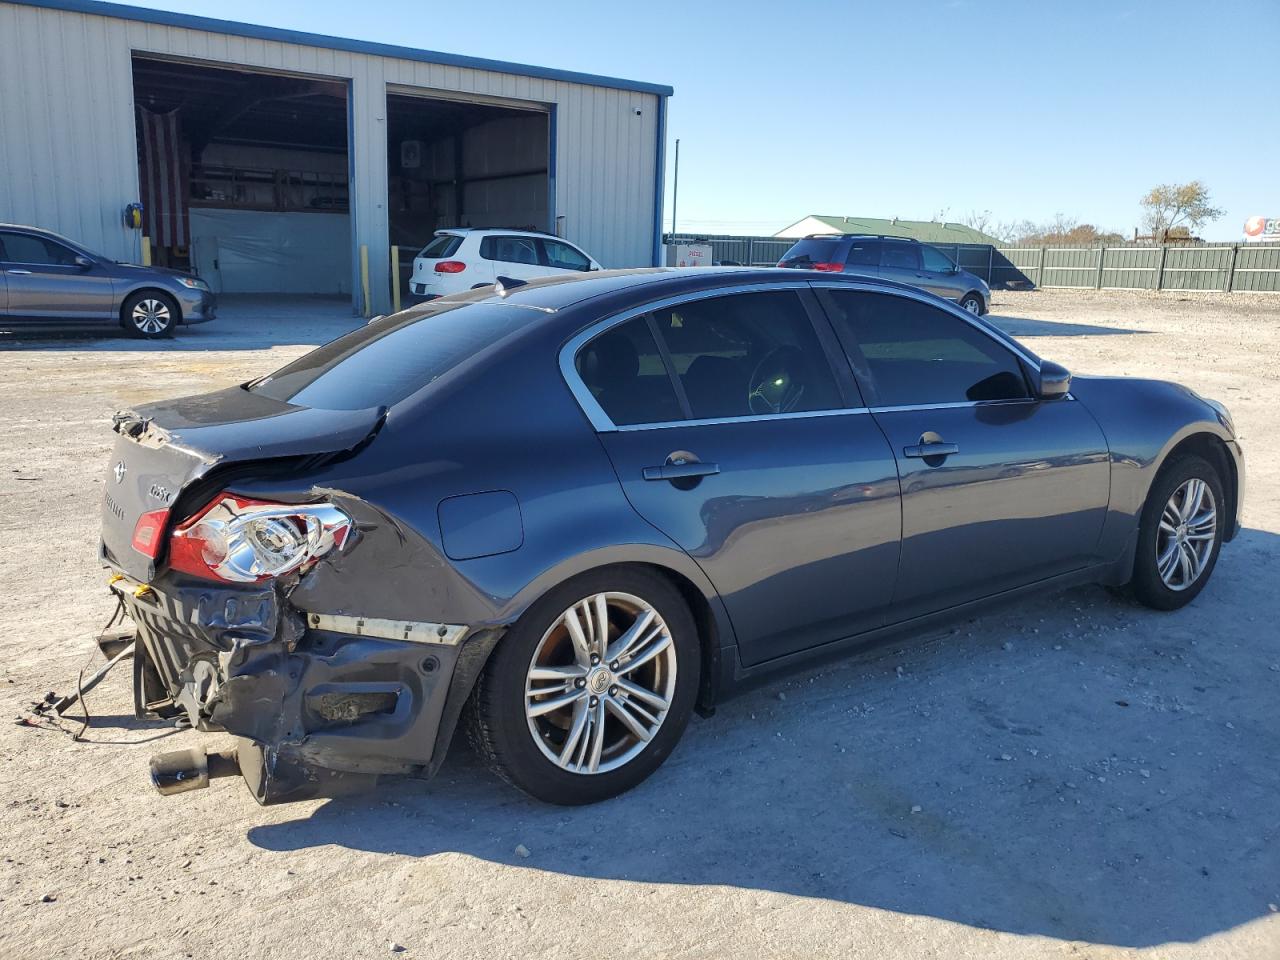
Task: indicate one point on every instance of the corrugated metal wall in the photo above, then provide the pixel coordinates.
(68, 157)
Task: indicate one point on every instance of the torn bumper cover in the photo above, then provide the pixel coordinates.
(325, 702)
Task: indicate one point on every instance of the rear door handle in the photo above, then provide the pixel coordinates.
(937, 449)
(681, 470)
(19, 273)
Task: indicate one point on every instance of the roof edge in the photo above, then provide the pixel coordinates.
(188, 21)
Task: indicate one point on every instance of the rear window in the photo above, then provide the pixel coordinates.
(445, 245)
(382, 363)
(812, 250)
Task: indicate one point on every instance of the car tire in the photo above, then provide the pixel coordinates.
(551, 756)
(149, 314)
(971, 303)
(1176, 554)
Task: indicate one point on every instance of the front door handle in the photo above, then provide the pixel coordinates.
(927, 450)
(19, 273)
(681, 470)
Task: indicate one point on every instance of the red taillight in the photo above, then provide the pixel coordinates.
(148, 533)
(450, 266)
(828, 267)
(238, 540)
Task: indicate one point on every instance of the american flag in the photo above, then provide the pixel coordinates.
(163, 170)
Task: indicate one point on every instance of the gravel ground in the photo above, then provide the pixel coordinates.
(1068, 777)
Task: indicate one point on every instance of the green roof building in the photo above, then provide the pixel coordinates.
(927, 231)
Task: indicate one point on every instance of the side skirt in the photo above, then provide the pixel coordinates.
(736, 678)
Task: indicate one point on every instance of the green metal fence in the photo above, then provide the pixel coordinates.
(1222, 267)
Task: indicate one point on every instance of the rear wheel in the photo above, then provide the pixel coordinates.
(972, 303)
(590, 691)
(1180, 534)
(149, 314)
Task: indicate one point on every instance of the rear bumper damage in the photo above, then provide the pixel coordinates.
(325, 703)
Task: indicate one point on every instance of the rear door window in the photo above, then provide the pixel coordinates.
(748, 354)
(864, 253)
(564, 257)
(900, 256)
(625, 374)
(445, 245)
(510, 249)
(813, 250)
(908, 353)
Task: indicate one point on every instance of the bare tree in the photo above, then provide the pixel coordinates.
(1172, 208)
(978, 221)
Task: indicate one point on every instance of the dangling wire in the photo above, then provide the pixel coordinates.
(117, 616)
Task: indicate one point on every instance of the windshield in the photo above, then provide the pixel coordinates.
(383, 362)
(812, 250)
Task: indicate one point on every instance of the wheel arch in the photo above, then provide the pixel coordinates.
(715, 632)
(1213, 448)
(149, 288)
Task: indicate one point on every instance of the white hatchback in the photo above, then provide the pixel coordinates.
(463, 259)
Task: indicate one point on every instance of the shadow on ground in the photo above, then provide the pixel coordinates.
(1084, 769)
(1026, 327)
(243, 323)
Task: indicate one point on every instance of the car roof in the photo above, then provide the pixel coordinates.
(633, 287)
(506, 232)
(859, 236)
(41, 231)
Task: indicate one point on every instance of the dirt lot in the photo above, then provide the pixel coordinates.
(1069, 777)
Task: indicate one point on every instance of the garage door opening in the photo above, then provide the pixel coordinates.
(452, 163)
(244, 176)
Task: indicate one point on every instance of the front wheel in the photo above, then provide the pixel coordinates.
(972, 303)
(1180, 534)
(590, 691)
(149, 314)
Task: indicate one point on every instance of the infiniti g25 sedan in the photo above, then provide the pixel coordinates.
(566, 513)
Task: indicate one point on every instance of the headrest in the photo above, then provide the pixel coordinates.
(609, 359)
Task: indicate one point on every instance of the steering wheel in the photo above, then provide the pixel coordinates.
(774, 385)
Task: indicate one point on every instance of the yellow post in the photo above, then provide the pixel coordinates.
(364, 279)
(146, 250)
(395, 278)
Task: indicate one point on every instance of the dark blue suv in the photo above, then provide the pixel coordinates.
(894, 258)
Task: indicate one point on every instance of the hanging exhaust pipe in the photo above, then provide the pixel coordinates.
(181, 770)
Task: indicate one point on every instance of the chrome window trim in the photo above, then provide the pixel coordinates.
(751, 418)
(601, 422)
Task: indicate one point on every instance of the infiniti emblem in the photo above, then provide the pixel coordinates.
(119, 471)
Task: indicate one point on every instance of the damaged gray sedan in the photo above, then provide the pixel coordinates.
(569, 512)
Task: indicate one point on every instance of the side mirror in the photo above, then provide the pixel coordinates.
(1055, 380)
(84, 263)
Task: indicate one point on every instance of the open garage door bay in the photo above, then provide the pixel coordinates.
(244, 176)
(464, 162)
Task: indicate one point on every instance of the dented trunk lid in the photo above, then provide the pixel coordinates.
(162, 448)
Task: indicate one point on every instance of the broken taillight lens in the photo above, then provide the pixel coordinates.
(239, 540)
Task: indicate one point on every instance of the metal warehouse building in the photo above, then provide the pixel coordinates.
(277, 161)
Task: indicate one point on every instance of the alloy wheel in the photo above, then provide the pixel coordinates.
(973, 306)
(150, 315)
(1185, 538)
(600, 683)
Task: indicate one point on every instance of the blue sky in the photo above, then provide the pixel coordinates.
(1026, 109)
